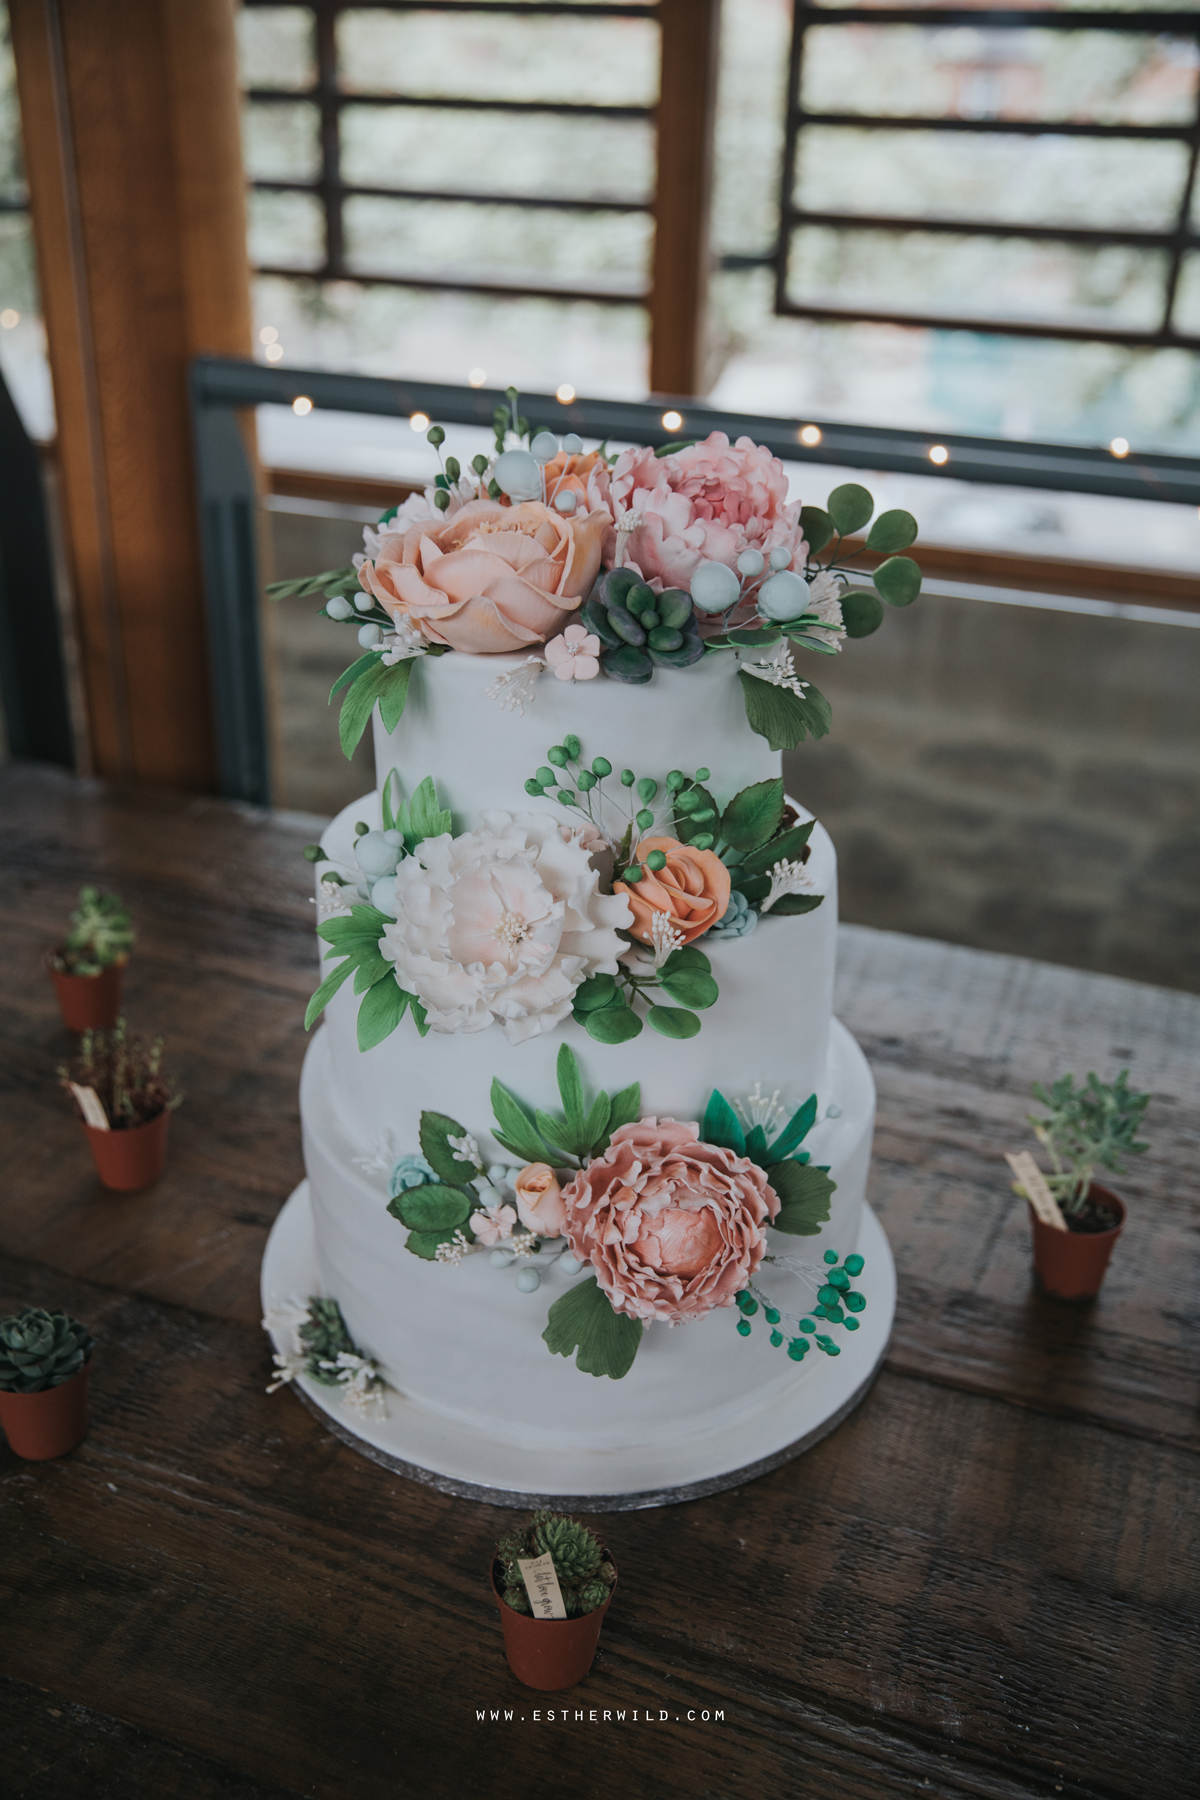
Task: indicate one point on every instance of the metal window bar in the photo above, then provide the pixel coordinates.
(330, 98)
(1176, 242)
(227, 494)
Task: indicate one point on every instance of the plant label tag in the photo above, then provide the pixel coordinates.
(541, 1584)
(1034, 1182)
(89, 1105)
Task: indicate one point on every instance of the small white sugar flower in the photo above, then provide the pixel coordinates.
(287, 1367)
(333, 898)
(515, 688)
(523, 1243)
(756, 1109)
(466, 1150)
(665, 937)
(825, 600)
(786, 878)
(453, 1252)
(775, 666)
(381, 1157)
(402, 643)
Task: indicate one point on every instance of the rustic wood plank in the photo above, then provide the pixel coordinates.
(691, 38)
(902, 1605)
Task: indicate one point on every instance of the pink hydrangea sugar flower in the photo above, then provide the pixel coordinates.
(496, 1223)
(704, 504)
(672, 1227)
(575, 656)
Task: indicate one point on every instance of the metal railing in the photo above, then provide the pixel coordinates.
(228, 497)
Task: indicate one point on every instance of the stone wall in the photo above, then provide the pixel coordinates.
(1004, 776)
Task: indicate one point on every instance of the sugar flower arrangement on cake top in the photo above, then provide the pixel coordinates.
(666, 1220)
(613, 565)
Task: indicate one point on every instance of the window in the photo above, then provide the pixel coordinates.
(22, 339)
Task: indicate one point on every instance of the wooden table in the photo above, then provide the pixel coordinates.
(985, 1583)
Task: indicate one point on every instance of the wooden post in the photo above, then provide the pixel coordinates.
(130, 120)
(691, 39)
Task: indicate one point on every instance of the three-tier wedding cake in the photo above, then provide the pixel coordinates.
(586, 1150)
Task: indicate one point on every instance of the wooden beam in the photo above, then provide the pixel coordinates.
(130, 119)
(691, 40)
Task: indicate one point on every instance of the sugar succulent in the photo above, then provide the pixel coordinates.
(40, 1350)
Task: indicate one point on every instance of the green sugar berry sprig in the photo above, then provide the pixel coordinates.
(637, 807)
(837, 1303)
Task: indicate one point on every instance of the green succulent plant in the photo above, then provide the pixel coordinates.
(101, 933)
(40, 1350)
(581, 1562)
(1093, 1124)
(640, 629)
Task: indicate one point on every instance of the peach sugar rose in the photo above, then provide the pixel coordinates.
(672, 1227)
(692, 889)
(490, 578)
(539, 1200)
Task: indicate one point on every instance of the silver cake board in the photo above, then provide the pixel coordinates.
(444, 1454)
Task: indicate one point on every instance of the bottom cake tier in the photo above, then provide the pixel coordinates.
(479, 1405)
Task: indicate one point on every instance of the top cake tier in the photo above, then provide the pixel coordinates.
(481, 754)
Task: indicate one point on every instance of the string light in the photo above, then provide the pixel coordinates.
(564, 393)
(10, 317)
(274, 353)
(939, 454)
(477, 377)
(268, 335)
(810, 435)
(1119, 447)
(301, 405)
(671, 421)
(419, 421)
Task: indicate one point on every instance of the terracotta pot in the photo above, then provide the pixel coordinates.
(132, 1157)
(550, 1653)
(88, 1002)
(1071, 1264)
(39, 1426)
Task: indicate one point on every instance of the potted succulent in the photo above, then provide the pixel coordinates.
(44, 1358)
(1093, 1125)
(552, 1579)
(86, 967)
(124, 1100)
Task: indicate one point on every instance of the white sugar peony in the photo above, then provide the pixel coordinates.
(502, 924)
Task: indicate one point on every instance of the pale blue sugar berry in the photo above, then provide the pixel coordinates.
(519, 475)
(383, 895)
(338, 608)
(393, 836)
(544, 447)
(409, 1172)
(375, 855)
(572, 444)
(369, 636)
(364, 602)
(783, 596)
(738, 920)
(779, 557)
(528, 1281)
(500, 1259)
(570, 1265)
(715, 587)
(566, 502)
(500, 1174)
(750, 563)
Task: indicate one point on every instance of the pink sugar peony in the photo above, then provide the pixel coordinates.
(673, 1227)
(706, 504)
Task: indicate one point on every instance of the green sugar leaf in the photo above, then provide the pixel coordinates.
(898, 580)
(361, 667)
(394, 692)
(582, 1320)
(784, 848)
(365, 922)
(425, 1243)
(596, 991)
(849, 506)
(754, 815)
(391, 781)
(687, 958)
(370, 968)
(597, 1125)
(613, 1024)
(382, 1009)
(817, 526)
(892, 531)
(862, 612)
(425, 817)
(626, 1107)
(789, 904)
(570, 1087)
(359, 704)
(436, 1130)
(804, 1194)
(783, 718)
(691, 987)
(516, 1124)
(556, 1133)
(756, 1145)
(795, 1131)
(722, 1126)
(673, 1021)
(432, 1208)
(326, 991)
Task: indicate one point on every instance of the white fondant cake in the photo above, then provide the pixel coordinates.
(461, 1344)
